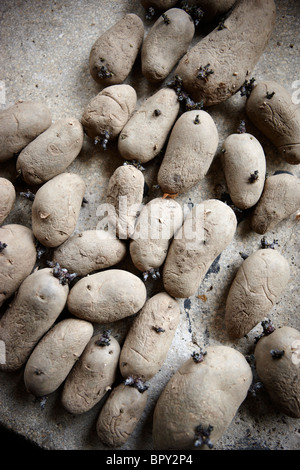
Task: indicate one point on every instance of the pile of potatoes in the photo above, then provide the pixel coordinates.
(52, 309)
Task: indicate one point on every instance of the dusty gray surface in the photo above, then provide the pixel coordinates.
(44, 55)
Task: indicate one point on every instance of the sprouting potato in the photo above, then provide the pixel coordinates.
(7, 198)
(212, 9)
(158, 4)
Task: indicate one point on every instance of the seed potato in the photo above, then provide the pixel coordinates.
(20, 124)
(190, 151)
(159, 4)
(50, 153)
(54, 356)
(38, 303)
(56, 207)
(107, 296)
(219, 64)
(256, 288)
(212, 8)
(207, 393)
(7, 198)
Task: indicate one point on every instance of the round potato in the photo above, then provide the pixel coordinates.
(113, 54)
(244, 164)
(17, 257)
(212, 8)
(20, 124)
(93, 374)
(190, 151)
(51, 152)
(256, 288)
(201, 399)
(7, 198)
(39, 301)
(56, 207)
(107, 296)
(54, 356)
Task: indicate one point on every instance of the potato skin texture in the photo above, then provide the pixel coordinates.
(205, 393)
(190, 151)
(109, 111)
(231, 52)
(51, 152)
(279, 200)
(116, 49)
(145, 349)
(153, 120)
(277, 117)
(165, 44)
(120, 415)
(242, 155)
(20, 124)
(17, 260)
(189, 258)
(37, 305)
(107, 296)
(54, 356)
(212, 8)
(159, 4)
(91, 377)
(56, 207)
(257, 286)
(280, 376)
(7, 198)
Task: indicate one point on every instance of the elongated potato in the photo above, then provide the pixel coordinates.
(190, 151)
(113, 54)
(277, 362)
(157, 223)
(107, 296)
(51, 152)
(166, 42)
(93, 374)
(7, 198)
(152, 121)
(56, 207)
(279, 200)
(212, 8)
(244, 164)
(257, 286)
(271, 109)
(17, 257)
(201, 396)
(219, 64)
(20, 124)
(54, 356)
(39, 301)
(206, 232)
(150, 336)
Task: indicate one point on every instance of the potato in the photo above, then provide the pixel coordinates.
(7, 198)
(113, 54)
(244, 164)
(205, 392)
(277, 364)
(190, 151)
(120, 415)
(212, 8)
(51, 152)
(279, 200)
(158, 4)
(17, 257)
(93, 374)
(271, 109)
(56, 207)
(54, 356)
(124, 197)
(107, 113)
(39, 301)
(107, 296)
(219, 64)
(157, 223)
(20, 124)
(88, 251)
(150, 336)
(206, 232)
(166, 42)
(152, 121)
(256, 288)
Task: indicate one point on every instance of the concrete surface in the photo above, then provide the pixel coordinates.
(44, 55)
